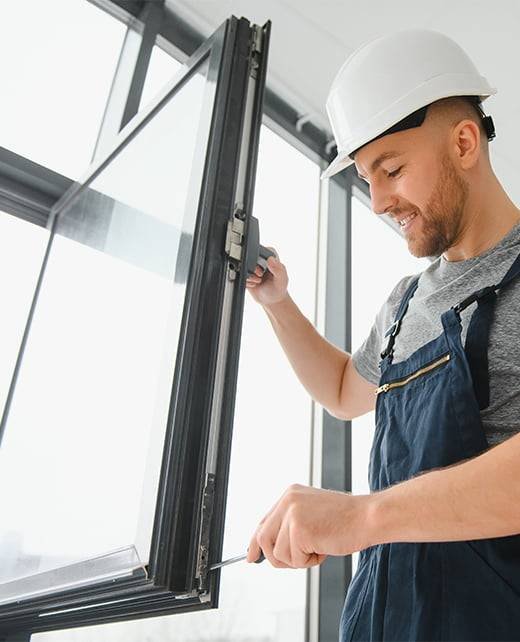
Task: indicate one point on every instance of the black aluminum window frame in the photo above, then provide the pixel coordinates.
(177, 579)
(326, 585)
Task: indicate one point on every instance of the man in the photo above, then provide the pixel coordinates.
(438, 533)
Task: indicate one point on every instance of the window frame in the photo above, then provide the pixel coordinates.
(189, 510)
(28, 190)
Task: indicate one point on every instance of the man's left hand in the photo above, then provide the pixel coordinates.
(307, 524)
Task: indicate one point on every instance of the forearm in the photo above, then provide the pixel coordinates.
(318, 364)
(479, 498)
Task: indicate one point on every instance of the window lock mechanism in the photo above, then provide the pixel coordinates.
(255, 254)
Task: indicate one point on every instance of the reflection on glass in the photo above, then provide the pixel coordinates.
(115, 564)
(161, 69)
(272, 424)
(22, 248)
(81, 455)
(58, 63)
(271, 435)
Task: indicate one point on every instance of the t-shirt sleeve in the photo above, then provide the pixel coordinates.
(367, 357)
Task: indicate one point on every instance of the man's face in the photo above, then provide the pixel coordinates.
(410, 176)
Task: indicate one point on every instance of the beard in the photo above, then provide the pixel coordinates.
(442, 219)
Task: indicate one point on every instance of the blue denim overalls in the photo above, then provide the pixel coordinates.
(427, 416)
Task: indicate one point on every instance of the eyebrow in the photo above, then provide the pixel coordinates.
(380, 159)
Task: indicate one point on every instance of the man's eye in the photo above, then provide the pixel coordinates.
(395, 172)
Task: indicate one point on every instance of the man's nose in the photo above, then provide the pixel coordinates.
(382, 199)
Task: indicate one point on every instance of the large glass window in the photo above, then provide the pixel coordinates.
(115, 439)
(91, 404)
(271, 435)
(57, 62)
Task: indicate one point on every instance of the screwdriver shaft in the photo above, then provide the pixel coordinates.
(240, 558)
(226, 562)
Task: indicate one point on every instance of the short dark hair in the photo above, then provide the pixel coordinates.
(416, 119)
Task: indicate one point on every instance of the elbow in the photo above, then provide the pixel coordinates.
(339, 413)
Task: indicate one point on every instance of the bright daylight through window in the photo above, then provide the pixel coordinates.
(90, 408)
(257, 603)
(53, 97)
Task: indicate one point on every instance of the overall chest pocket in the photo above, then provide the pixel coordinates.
(417, 374)
(409, 414)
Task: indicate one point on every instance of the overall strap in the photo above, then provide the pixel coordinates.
(393, 330)
(477, 337)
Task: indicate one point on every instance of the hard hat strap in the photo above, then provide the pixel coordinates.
(416, 119)
(487, 121)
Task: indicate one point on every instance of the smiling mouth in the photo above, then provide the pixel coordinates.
(405, 222)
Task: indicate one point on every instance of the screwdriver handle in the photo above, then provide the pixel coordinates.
(261, 558)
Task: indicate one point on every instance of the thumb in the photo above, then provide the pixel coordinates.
(272, 263)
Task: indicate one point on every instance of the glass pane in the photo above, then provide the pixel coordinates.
(109, 566)
(22, 248)
(373, 242)
(256, 603)
(57, 64)
(161, 69)
(83, 443)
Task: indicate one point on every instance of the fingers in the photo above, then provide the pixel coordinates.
(273, 264)
(264, 538)
(253, 550)
(282, 549)
(256, 278)
(284, 535)
(289, 549)
(261, 543)
(272, 250)
(265, 542)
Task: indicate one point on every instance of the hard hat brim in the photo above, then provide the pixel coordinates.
(341, 161)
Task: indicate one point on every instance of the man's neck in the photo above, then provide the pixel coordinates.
(489, 216)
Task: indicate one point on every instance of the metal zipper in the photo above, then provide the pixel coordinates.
(395, 384)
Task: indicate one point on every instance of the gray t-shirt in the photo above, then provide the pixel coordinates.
(441, 285)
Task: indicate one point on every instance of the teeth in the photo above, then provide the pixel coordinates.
(404, 221)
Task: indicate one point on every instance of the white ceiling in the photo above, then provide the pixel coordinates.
(311, 39)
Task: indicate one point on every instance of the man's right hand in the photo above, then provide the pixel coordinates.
(326, 371)
(271, 286)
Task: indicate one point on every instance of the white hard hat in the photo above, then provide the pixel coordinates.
(386, 80)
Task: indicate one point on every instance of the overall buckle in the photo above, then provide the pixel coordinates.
(394, 328)
(479, 294)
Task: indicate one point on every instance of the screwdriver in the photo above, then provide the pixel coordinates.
(240, 558)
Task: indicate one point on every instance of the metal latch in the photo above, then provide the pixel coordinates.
(256, 50)
(250, 254)
(234, 238)
(207, 513)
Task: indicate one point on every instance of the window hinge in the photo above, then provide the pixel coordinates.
(234, 239)
(205, 523)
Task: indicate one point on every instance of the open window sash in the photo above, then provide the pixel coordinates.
(116, 432)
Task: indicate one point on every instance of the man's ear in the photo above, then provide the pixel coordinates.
(466, 143)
